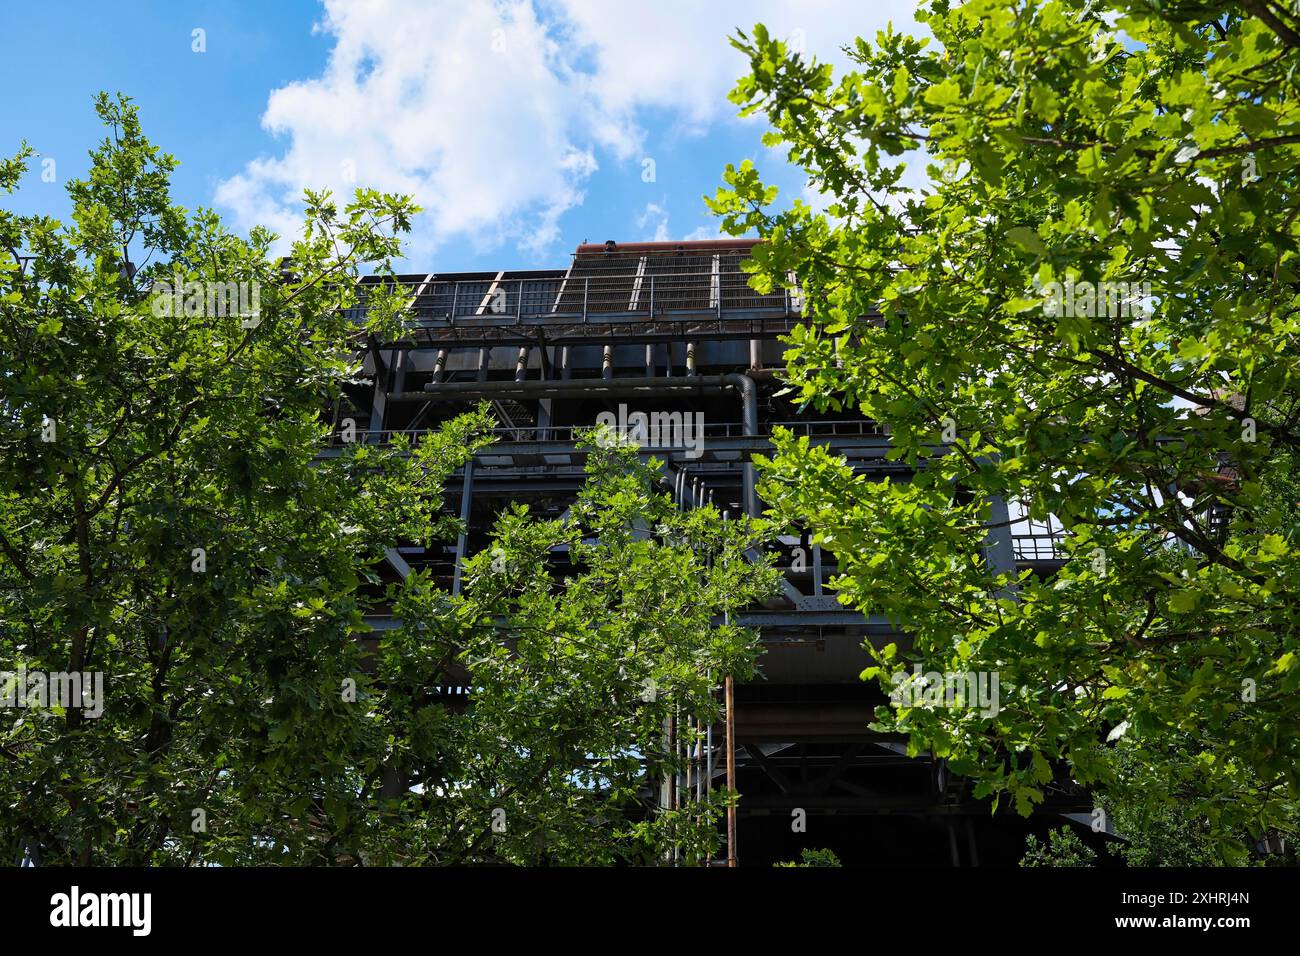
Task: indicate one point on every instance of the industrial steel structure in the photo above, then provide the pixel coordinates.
(675, 327)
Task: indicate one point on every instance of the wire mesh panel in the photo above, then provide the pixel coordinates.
(364, 289)
(651, 282)
(736, 291)
(600, 284)
(471, 297)
(681, 282)
(534, 296)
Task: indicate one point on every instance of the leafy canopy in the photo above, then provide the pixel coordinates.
(1154, 147)
(167, 520)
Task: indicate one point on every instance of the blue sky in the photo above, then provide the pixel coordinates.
(523, 126)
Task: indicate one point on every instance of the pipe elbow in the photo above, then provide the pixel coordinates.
(748, 398)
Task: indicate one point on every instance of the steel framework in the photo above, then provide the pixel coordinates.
(677, 327)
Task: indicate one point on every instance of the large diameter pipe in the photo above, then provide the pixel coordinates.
(749, 409)
(462, 539)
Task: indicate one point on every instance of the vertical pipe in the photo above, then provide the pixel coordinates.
(462, 539)
(649, 361)
(484, 355)
(672, 770)
(699, 761)
(564, 362)
(689, 741)
(521, 364)
(732, 859)
(708, 760)
(665, 792)
(607, 363)
(438, 364)
(690, 358)
(672, 778)
(749, 409)
(755, 354)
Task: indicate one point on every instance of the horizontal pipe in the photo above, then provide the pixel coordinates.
(681, 384)
(686, 245)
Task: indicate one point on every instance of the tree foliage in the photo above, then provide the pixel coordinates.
(1146, 152)
(603, 649)
(1062, 848)
(813, 858)
(167, 521)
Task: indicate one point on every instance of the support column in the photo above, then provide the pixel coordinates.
(998, 545)
(384, 376)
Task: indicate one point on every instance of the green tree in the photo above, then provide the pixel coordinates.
(1063, 847)
(162, 520)
(1088, 312)
(166, 520)
(609, 616)
(809, 857)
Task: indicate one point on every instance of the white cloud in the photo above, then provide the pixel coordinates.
(496, 115)
(657, 214)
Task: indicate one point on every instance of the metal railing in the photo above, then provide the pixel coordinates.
(1038, 547)
(587, 297)
(568, 434)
